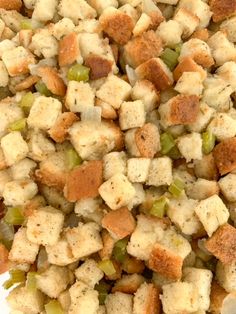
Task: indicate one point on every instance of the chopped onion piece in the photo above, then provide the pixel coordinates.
(93, 114)
(131, 75)
(54, 307)
(31, 282)
(148, 7)
(229, 304)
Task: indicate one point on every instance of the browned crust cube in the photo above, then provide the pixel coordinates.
(128, 284)
(187, 65)
(216, 297)
(11, 4)
(27, 83)
(222, 9)
(147, 140)
(225, 155)
(68, 49)
(153, 302)
(202, 34)
(99, 66)
(52, 80)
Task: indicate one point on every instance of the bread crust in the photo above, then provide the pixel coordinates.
(225, 155)
(222, 9)
(52, 80)
(59, 131)
(68, 49)
(11, 4)
(99, 66)
(147, 140)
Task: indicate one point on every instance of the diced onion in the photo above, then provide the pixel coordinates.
(93, 114)
(54, 307)
(148, 7)
(131, 75)
(229, 304)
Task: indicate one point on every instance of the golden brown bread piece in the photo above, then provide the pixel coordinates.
(222, 9)
(217, 297)
(68, 49)
(206, 168)
(52, 80)
(188, 65)
(128, 284)
(147, 140)
(27, 83)
(225, 155)
(202, 34)
(60, 130)
(108, 245)
(99, 66)
(3, 259)
(11, 4)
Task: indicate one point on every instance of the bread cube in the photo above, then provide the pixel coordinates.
(222, 126)
(101, 5)
(160, 172)
(146, 299)
(113, 163)
(145, 91)
(44, 226)
(225, 155)
(212, 213)
(63, 27)
(228, 26)
(202, 189)
(22, 250)
(170, 32)
(222, 10)
(187, 20)
(117, 301)
(187, 64)
(128, 283)
(17, 193)
(142, 25)
(132, 115)
(14, 147)
(89, 273)
(23, 169)
(114, 91)
(203, 118)
(40, 147)
(138, 169)
(84, 240)
(226, 276)
(40, 14)
(3, 75)
(228, 187)
(190, 83)
(5, 177)
(44, 44)
(117, 191)
(190, 146)
(228, 73)
(206, 168)
(218, 294)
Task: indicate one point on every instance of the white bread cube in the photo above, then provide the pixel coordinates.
(6, 45)
(170, 32)
(139, 196)
(76, 10)
(138, 169)
(142, 24)
(130, 143)
(44, 44)
(2, 27)
(180, 297)
(148, 231)
(21, 298)
(228, 187)
(42, 15)
(202, 189)
(203, 118)
(40, 147)
(84, 240)
(212, 213)
(101, 5)
(113, 163)
(44, 225)
(201, 278)
(23, 169)
(5, 177)
(84, 300)
(160, 172)
(29, 4)
(132, 115)
(147, 93)
(17, 193)
(222, 126)
(14, 147)
(22, 250)
(79, 96)
(130, 11)
(190, 83)
(114, 91)
(53, 280)
(181, 213)
(89, 209)
(64, 299)
(188, 20)
(228, 73)
(117, 301)
(89, 273)
(117, 191)
(226, 276)
(44, 112)
(190, 146)
(63, 27)
(229, 25)
(146, 299)
(4, 78)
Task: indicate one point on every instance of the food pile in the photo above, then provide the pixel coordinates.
(118, 156)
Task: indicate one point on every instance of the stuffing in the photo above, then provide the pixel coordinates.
(6, 45)
(130, 143)
(132, 114)
(201, 278)
(217, 297)
(22, 250)
(222, 126)
(84, 240)
(99, 66)
(114, 91)
(128, 283)
(4, 78)
(180, 297)
(170, 32)
(138, 169)
(120, 223)
(108, 245)
(76, 10)
(11, 5)
(228, 73)
(156, 71)
(44, 44)
(117, 25)
(53, 281)
(44, 225)
(202, 189)
(69, 50)
(142, 48)
(146, 300)
(204, 116)
(64, 300)
(190, 146)
(228, 26)
(160, 172)
(181, 109)
(12, 19)
(60, 254)
(202, 34)
(84, 181)
(145, 91)
(199, 51)
(143, 24)
(226, 276)
(228, 187)
(222, 10)
(59, 131)
(212, 213)
(187, 20)
(108, 112)
(52, 80)
(5, 177)
(117, 301)
(188, 79)
(42, 15)
(28, 82)
(139, 196)
(89, 273)
(113, 163)
(225, 155)
(101, 5)
(62, 28)
(117, 191)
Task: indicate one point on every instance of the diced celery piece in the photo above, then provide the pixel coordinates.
(167, 143)
(6, 234)
(4, 92)
(26, 24)
(72, 159)
(176, 188)
(18, 125)
(103, 289)
(174, 153)
(14, 216)
(78, 73)
(26, 102)
(16, 276)
(178, 48)
(159, 207)
(54, 307)
(31, 282)
(119, 251)
(208, 142)
(42, 89)
(170, 58)
(107, 267)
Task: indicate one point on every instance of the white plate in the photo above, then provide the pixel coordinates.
(3, 294)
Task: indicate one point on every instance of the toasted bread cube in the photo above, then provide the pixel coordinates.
(228, 73)
(4, 78)
(59, 131)
(11, 5)
(120, 223)
(138, 169)
(76, 10)
(40, 14)
(139, 196)
(5, 177)
(52, 80)
(228, 187)
(44, 226)
(206, 168)
(130, 143)
(84, 240)
(14, 147)
(17, 193)
(156, 71)
(203, 118)
(146, 300)
(222, 10)
(22, 250)
(179, 297)
(79, 96)
(117, 301)
(89, 273)
(114, 91)
(128, 283)
(217, 297)
(187, 20)
(147, 93)
(160, 172)
(187, 64)
(202, 189)
(222, 126)
(44, 44)
(117, 25)
(228, 26)
(142, 25)
(101, 5)
(40, 147)
(44, 112)
(89, 209)
(113, 163)
(212, 213)
(170, 32)
(201, 278)
(222, 244)
(60, 254)
(99, 66)
(188, 79)
(23, 169)
(225, 155)
(190, 146)
(63, 27)
(53, 280)
(21, 298)
(142, 48)
(132, 114)
(226, 276)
